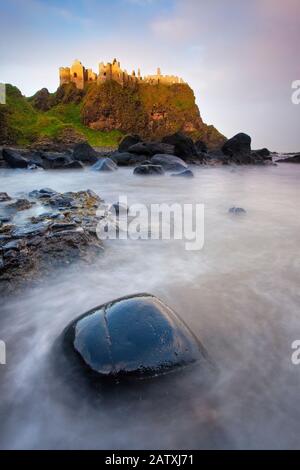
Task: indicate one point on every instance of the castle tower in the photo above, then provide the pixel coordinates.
(78, 74)
(64, 75)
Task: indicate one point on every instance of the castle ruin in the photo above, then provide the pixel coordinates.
(79, 75)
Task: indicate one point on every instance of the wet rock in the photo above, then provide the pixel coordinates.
(185, 174)
(292, 159)
(133, 336)
(238, 149)
(151, 148)
(265, 153)
(184, 146)
(105, 164)
(14, 159)
(32, 247)
(127, 142)
(30, 230)
(56, 161)
(169, 162)
(201, 146)
(84, 153)
(145, 170)
(237, 211)
(126, 158)
(4, 197)
(43, 193)
(21, 205)
(47, 216)
(73, 166)
(14, 245)
(5, 218)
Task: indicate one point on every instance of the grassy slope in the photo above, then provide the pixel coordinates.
(26, 124)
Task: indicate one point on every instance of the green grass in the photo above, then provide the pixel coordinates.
(26, 124)
(69, 115)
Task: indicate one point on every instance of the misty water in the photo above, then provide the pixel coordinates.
(239, 295)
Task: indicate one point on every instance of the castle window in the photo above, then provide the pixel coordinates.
(104, 74)
(75, 75)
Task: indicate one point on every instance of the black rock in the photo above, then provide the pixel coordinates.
(263, 152)
(30, 230)
(169, 162)
(132, 336)
(238, 149)
(151, 148)
(21, 205)
(4, 197)
(43, 193)
(293, 159)
(237, 210)
(105, 164)
(85, 153)
(148, 170)
(75, 165)
(55, 160)
(201, 146)
(14, 158)
(184, 146)
(185, 174)
(127, 142)
(126, 158)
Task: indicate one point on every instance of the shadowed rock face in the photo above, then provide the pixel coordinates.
(136, 335)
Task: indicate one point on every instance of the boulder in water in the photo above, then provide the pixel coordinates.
(237, 210)
(84, 153)
(169, 162)
(105, 164)
(145, 170)
(133, 336)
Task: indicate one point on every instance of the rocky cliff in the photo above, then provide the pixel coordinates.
(101, 113)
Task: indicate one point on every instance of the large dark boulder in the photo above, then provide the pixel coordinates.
(151, 148)
(126, 158)
(56, 161)
(128, 141)
(145, 170)
(84, 153)
(132, 336)
(238, 149)
(105, 164)
(14, 159)
(169, 162)
(293, 159)
(184, 146)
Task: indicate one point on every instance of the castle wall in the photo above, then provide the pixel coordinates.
(111, 71)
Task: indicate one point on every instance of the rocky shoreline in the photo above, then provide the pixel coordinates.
(133, 151)
(44, 230)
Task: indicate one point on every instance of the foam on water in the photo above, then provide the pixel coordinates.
(239, 295)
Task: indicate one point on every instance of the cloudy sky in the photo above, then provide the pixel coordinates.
(240, 57)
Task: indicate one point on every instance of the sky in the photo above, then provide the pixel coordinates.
(240, 57)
